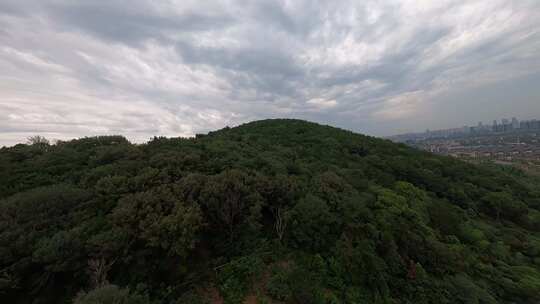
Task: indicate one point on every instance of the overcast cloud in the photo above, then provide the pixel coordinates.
(175, 68)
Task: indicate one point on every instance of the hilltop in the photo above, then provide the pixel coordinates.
(274, 211)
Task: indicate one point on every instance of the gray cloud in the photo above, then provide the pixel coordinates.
(131, 22)
(176, 68)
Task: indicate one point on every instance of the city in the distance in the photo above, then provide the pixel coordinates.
(508, 141)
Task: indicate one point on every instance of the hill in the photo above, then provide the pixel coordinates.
(273, 211)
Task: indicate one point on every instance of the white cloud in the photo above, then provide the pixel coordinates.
(177, 68)
(322, 103)
(405, 105)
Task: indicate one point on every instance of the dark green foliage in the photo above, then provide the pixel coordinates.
(159, 219)
(313, 225)
(230, 202)
(236, 278)
(282, 211)
(503, 205)
(110, 294)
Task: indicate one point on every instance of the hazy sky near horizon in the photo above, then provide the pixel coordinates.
(175, 68)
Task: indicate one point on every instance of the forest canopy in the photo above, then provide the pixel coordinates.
(273, 211)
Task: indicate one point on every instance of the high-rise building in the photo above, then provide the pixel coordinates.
(515, 123)
(495, 126)
(530, 124)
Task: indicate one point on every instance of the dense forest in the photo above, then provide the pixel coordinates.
(273, 211)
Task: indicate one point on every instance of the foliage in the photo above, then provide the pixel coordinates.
(110, 294)
(278, 210)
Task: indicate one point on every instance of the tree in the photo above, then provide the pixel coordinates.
(110, 294)
(98, 269)
(280, 195)
(446, 217)
(230, 201)
(160, 219)
(502, 204)
(313, 225)
(37, 140)
(180, 220)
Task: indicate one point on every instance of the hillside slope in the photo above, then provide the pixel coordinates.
(274, 211)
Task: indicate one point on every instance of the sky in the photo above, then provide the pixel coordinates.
(70, 69)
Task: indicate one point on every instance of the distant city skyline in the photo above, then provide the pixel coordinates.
(488, 123)
(513, 121)
(500, 125)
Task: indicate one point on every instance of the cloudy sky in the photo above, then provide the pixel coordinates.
(175, 68)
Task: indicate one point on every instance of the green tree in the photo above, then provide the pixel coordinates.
(230, 201)
(110, 294)
(503, 205)
(160, 219)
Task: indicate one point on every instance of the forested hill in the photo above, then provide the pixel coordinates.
(274, 211)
